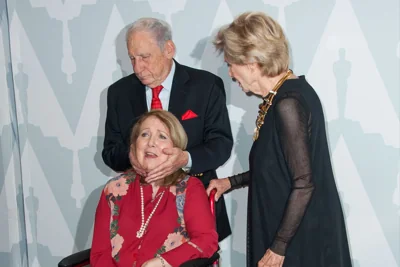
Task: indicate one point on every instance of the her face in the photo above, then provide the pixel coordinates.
(245, 75)
(153, 137)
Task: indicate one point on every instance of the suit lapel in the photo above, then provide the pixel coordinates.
(138, 97)
(178, 91)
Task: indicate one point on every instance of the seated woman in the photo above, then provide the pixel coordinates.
(165, 223)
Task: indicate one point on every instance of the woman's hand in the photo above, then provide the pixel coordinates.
(222, 185)
(156, 262)
(271, 259)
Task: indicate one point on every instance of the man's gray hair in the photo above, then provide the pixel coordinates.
(158, 28)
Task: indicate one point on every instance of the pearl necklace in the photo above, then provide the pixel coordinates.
(143, 226)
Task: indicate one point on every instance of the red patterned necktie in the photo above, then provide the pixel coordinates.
(155, 100)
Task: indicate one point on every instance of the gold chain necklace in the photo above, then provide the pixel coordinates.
(266, 104)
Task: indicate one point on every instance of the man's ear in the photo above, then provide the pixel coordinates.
(169, 49)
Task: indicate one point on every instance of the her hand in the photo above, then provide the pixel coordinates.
(271, 259)
(222, 185)
(156, 262)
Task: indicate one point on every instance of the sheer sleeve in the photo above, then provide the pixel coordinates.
(293, 123)
(239, 180)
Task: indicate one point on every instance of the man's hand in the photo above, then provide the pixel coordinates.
(176, 160)
(135, 164)
(221, 185)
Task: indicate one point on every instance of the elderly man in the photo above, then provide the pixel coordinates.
(195, 97)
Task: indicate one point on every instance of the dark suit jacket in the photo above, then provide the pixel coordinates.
(209, 135)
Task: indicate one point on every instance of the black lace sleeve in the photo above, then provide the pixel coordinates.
(239, 180)
(293, 123)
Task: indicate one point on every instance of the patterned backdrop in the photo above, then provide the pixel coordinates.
(58, 57)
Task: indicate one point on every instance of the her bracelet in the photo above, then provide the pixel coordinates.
(162, 260)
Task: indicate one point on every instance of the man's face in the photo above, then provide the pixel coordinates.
(150, 64)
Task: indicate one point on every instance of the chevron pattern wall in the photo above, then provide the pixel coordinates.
(58, 57)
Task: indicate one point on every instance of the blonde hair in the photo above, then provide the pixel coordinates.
(254, 37)
(177, 134)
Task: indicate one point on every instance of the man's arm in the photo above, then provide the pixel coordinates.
(218, 142)
(216, 147)
(115, 149)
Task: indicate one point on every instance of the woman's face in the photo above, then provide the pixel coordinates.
(245, 76)
(153, 137)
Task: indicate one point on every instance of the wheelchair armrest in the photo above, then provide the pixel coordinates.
(77, 259)
(82, 258)
(201, 262)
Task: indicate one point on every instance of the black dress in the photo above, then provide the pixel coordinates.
(293, 203)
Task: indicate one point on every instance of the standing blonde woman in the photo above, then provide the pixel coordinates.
(295, 217)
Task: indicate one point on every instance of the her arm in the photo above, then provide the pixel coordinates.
(239, 180)
(292, 123)
(100, 254)
(228, 184)
(200, 225)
